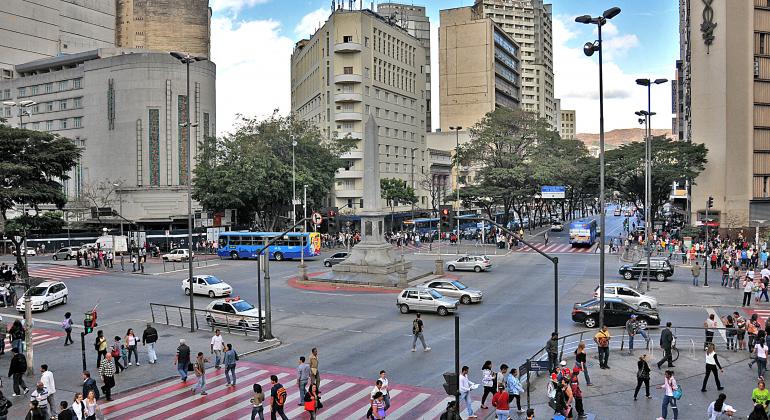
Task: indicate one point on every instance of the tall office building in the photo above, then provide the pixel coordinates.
(478, 68)
(33, 30)
(416, 22)
(529, 23)
(164, 25)
(567, 127)
(356, 65)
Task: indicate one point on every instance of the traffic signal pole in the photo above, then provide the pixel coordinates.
(709, 204)
(457, 360)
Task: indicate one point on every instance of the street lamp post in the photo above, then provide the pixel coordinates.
(457, 179)
(22, 105)
(293, 185)
(186, 59)
(117, 186)
(588, 49)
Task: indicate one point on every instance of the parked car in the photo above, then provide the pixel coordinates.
(660, 269)
(207, 285)
(66, 253)
(30, 252)
(44, 295)
(557, 226)
(618, 211)
(476, 263)
(455, 289)
(177, 255)
(628, 294)
(335, 258)
(422, 299)
(233, 312)
(616, 313)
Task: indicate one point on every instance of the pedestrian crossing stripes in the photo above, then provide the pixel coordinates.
(38, 337)
(343, 397)
(557, 248)
(762, 314)
(60, 272)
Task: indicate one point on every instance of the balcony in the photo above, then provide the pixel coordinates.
(348, 78)
(348, 97)
(353, 154)
(342, 192)
(347, 116)
(347, 47)
(353, 135)
(349, 174)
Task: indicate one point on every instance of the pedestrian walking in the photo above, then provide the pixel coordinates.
(581, 362)
(417, 332)
(3, 333)
(217, 345)
(35, 412)
(731, 332)
(377, 390)
(256, 400)
(149, 338)
(16, 370)
(378, 407)
(451, 412)
(229, 359)
(666, 343)
(182, 359)
(466, 386)
(761, 396)
(315, 373)
(100, 345)
(753, 328)
(107, 370)
(132, 342)
(740, 333)
(311, 401)
(709, 324)
(642, 377)
(748, 288)
(552, 348)
(514, 389)
(65, 413)
(488, 382)
(500, 402)
(577, 394)
(633, 328)
(669, 386)
(602, 339)
(277, 398)
(116, 353)
(92, 406)
(122, 262)
(718, 410)
(712, 363)
(760, 353)
(303, 375)
(200, 372)
(695, 270)
(17, 335)
(40, 397)
(66, 325)
(46, 377)
(385, 389)
(89, 384)
(78, 407)
(564, 398)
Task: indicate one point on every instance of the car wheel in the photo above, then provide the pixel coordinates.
(233, 255)
(450, 267)
(645, 305)
(67, 257)
(187, 291)
(211, 294)
(477, 269)
(55, 258)
(327, 264)
(660, 277)
(465, 300)
(442, 311)
(628, 275)
(404, 308)
(590, 322)
(278, 256)
(45, 306)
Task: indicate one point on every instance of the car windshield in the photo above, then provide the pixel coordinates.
(212, 280)
(242, 306)
(37, 291)
(459, 285)
(435, 294)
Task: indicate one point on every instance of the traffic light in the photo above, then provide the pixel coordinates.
(445, 215)
(710, 202)
(331, 218)
(450, 384)
(90, 322)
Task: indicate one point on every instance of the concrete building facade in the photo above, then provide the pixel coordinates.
(359, 64)
(416, 22)
(478, 68)
(567, 127)
(164, 25)
(530, 24)
(33, 30)
(123, 107)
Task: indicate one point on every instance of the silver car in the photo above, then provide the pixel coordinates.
(627, 294)
(422, 299)
(470, 262)
(66, 253)
(455, 289)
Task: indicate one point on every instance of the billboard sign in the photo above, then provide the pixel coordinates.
(552, 191)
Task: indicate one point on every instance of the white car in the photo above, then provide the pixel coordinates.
(233, 312)
(44, 295)
(30, 252)
(207, 285)
(628, 294)
(177, 255)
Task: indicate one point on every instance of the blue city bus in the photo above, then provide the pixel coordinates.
(582, 232)
(237, 245)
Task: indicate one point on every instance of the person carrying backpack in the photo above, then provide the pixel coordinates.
(451, 412)
(17, 369)
(417, 328)
(66, 325)
(277, 398)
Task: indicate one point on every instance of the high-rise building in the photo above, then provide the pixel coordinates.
(416, 22)
(165, 25)
(33, 30)
(726, 66)
(359, 64)
(529, 23)
(567, 127)
(478, 68)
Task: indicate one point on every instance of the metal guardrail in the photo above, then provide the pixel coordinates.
(197, 262)
(175, 316)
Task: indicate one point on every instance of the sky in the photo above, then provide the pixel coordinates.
(252, 41)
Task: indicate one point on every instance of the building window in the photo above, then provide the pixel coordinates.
(48, 87)
(36, 109)
(22, 92)
(49, 106)
(348, 70)
(49, 125)
(347, 38)
(7, 94)
(33, 90)
(78, 102)
(77, 122)
(63, 124)
(64, 85)
(78, 83)
(63, 105)
(366, 41)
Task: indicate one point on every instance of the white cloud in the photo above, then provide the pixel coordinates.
(577, 80)
(311, 21)
(253, 69)
(234, 5)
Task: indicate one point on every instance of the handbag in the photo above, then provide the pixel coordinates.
(310, 405)
(190, 367)
(677, 394)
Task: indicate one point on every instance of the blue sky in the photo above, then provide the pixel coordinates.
(252, 42)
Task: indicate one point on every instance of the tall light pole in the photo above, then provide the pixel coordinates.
(186, 59)
(22, 105)
(457, 180)
(648, 168)
(117, 186)
(293, 185)
(588, 49)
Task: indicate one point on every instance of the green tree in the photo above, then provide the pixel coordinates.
(395, 191)
(32, 166)
(671, 160)
(251, 169)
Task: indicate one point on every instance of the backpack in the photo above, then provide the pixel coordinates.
(415, 326)
(22, 363)
(280, 397)
(67, 323)
(96, 344)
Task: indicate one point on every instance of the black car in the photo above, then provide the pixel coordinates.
(660, 269)
(336, 258)
(616, 313)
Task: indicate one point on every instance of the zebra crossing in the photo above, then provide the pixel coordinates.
(39, 336)
(343, 397)
(555, 248)
(762, 314)
(61, 272)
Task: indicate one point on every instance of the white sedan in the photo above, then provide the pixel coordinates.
(233, 312)
(44, 295)
(177, 255)
(207, 285)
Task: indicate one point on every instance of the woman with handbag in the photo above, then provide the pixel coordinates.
(642, 376)
(311, 398)
(378, 406)
(671, 393)
(487, 381)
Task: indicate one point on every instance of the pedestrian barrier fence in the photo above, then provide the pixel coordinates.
(179, 316)
(197, 262)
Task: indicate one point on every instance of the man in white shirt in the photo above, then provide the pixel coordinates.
(384, 389)
(217, 345)
(46, 377)
(465, 391)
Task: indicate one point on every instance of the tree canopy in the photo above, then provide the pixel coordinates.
(251, 169)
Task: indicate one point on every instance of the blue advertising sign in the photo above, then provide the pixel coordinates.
(547, 191)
